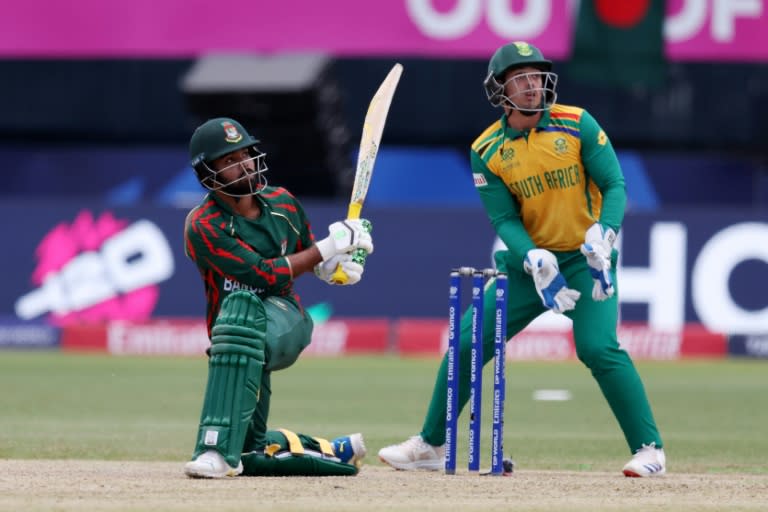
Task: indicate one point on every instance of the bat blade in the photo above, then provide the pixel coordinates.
(373, 128)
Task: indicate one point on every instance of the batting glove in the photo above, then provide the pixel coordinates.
(550, 283)
(344, 237)
(597, 247)
(353, 270)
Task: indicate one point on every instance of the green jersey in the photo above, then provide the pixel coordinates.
(544, 188)
(236, 253)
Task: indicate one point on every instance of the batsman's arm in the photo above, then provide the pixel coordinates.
(213, 248)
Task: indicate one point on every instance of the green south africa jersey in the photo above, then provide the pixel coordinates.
(235, 253)
(555, 180)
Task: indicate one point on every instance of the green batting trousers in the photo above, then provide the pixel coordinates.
(597, 346)
(289, 331)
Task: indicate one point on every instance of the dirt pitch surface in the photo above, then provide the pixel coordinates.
(62, 485)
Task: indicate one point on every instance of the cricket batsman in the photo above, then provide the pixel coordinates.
(250, 241)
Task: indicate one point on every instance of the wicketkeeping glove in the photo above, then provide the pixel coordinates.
(345, 236)
(550, 283)
(353, 270)
(597, 247)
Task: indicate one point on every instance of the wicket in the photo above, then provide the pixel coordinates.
(479, 277)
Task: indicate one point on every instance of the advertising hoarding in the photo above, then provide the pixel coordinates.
(694, 29)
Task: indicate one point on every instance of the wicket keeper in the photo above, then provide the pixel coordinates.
(553, 190)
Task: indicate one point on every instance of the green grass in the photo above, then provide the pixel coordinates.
(712, 414)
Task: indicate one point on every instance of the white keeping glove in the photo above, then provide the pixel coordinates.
(597, 247)
(550, 283)
(343, 237)
(354, 271)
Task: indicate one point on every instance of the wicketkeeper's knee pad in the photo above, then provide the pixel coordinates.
(291, 454)
(234, 375)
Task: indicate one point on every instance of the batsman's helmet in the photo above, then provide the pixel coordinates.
(216, 138)
(517, 55)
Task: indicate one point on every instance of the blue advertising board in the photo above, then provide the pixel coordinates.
(753, 346)
(15, 333)
(74, 261)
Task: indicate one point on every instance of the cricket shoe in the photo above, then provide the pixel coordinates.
(415, 453)
(647, 461)
(350, 449)
(211, 464)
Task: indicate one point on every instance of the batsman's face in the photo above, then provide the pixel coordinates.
(524, 87)
(236, 171)
(235, 164)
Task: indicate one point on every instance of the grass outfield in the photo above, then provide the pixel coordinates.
(712, 414)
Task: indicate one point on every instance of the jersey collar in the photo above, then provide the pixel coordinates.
(227, 208)
(512, 133)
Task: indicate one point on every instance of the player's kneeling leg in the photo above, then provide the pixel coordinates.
(234, 375)
(291, 454)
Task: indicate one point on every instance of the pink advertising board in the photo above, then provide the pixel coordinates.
(694, 29)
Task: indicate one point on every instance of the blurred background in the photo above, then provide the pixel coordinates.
(98, 99)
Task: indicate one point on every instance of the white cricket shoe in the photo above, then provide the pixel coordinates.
(647, 461)
(414, 453)
(211, 464)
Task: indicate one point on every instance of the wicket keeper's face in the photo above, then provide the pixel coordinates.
(524, 87)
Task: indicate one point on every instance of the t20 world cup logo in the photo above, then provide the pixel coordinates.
(97, 269)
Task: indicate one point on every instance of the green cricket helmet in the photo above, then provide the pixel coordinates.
(219, 137)
(515, 55)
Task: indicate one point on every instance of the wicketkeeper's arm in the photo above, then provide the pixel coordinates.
(602, 166)
(502, 209)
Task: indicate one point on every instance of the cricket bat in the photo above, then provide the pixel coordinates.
(373, 127)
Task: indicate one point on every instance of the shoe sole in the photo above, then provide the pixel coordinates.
(191, 473)
(209, 476)
(633, 474)
(414, 466)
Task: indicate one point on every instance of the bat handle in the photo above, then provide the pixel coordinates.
(358, 256)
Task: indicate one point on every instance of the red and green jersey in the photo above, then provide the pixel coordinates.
(544, 188)
(236, 253)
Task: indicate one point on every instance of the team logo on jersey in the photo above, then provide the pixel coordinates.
(283, 247)
(523, 49)
(479, 179)
(232, 135)
(602, 138)
(507, 153)
(561, 146)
